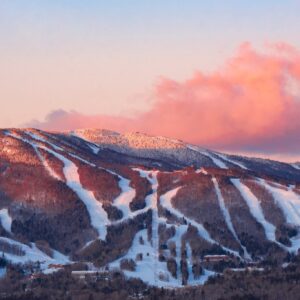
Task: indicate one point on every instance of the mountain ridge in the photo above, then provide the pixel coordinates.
(153, 207)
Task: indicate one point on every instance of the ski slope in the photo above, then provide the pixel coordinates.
(33, 254)
(98, 215)
(255, 209)
(219, 163)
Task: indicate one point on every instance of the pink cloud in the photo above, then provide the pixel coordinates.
(246, 105)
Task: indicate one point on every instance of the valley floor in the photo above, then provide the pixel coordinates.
(272, 283)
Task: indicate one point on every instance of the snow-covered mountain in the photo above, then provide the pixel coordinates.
(158, 209)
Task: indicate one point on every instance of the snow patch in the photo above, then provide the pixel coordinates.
(2, 272)
(201, 171)
(5, 219)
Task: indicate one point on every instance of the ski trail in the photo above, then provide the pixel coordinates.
(180, 231)
(296, 166)
(189, 255)
(224, 210)
(145, 269)
(33, 254)
(94, 207)
(41, 139)
(192, 281)
(57, 148)
(165, 201)
(215, 160)
(95, 149)
(287, 201)
(151, 202)
(126, 196)
(224, 157)
(227, 218)
(149, 269)
(5, 219)
(121, 202)
(255, 209)
(155, 240)
(98, 215)
(36, 149)
(151, 176)
(50, 171)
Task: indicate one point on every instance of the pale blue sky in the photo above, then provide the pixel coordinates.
(106, 56)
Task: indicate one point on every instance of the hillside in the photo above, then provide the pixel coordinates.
(161, 210)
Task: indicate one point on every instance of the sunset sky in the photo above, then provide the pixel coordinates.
(222, 74)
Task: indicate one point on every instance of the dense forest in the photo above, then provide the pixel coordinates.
(270, 283)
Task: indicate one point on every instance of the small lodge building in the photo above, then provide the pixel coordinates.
(93, 274)
(55, 266)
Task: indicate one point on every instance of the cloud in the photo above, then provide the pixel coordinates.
(61, 120)
(252, 103)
